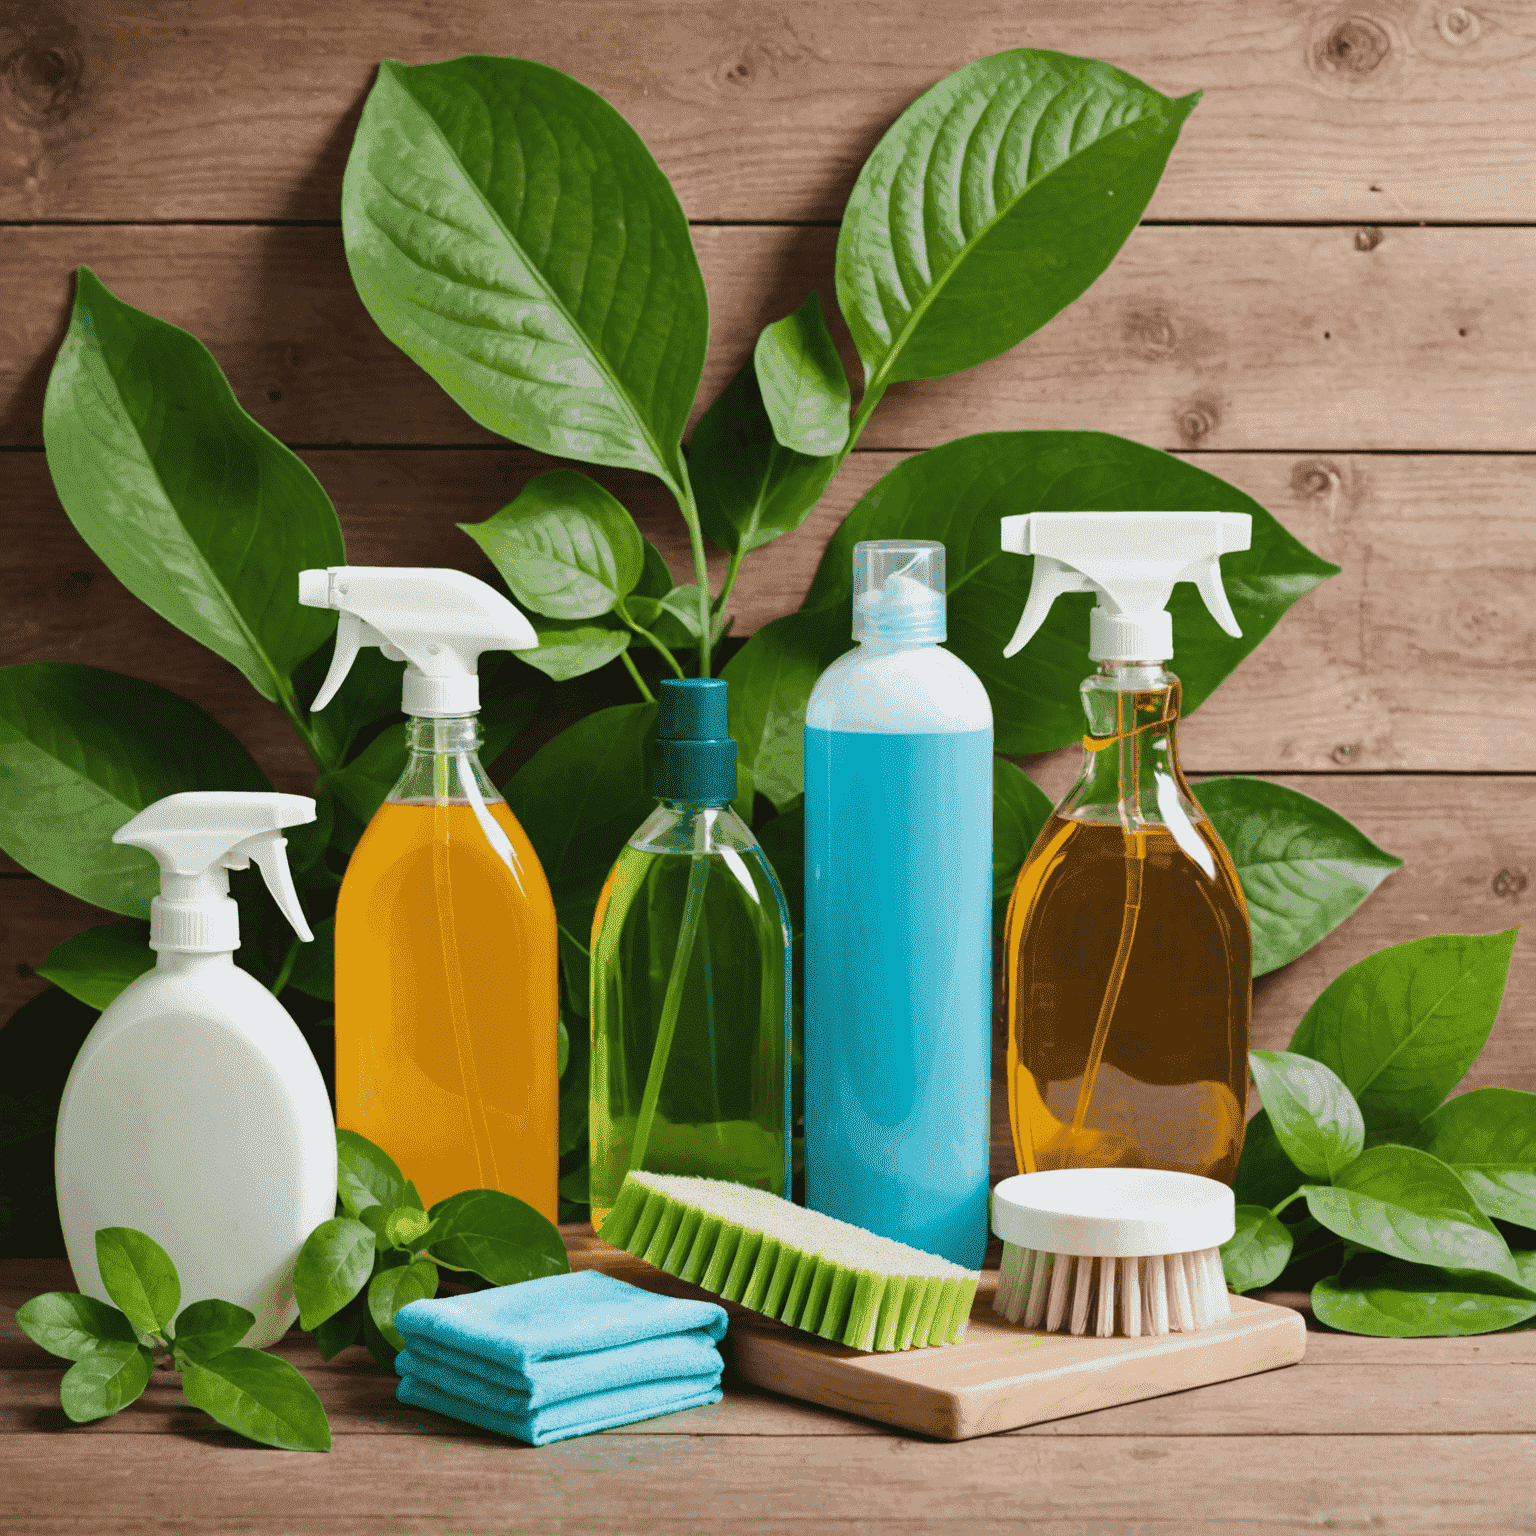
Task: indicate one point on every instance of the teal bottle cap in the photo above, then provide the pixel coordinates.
(698, 757)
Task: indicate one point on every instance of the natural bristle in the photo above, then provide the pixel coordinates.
(807, 1270)
(1068, 1293)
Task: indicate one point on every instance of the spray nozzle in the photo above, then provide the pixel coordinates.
(197, 839)
(1132, 561)
(437, 621)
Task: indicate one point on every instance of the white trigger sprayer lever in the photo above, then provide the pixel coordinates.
(438, 622)
(1131, 561)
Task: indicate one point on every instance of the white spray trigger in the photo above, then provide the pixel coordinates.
(268, 856)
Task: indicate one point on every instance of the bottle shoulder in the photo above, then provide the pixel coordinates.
(675, 829)
(917, 688)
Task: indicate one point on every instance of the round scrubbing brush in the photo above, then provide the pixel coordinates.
(1112, 1250)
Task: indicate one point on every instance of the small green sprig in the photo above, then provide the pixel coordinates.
(115, 1349)
(383, 1250)
(1403, 1193)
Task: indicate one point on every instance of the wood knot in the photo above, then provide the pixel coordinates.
(1354, 47)
(740, 73)
(42, 81)
(1368, 238)
(1509, 882)
(1345, 752)
(1196, 421)
(1460, 27)
(1150, 333)
(1313, 480)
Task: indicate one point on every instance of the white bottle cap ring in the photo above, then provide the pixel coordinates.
(1121, 1213)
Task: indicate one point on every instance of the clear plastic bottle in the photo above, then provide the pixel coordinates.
(690, 999)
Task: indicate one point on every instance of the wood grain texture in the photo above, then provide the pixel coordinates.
(1353, 678)
(1225, 338)
(217, 109)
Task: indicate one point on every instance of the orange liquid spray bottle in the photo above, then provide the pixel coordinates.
(446, 984)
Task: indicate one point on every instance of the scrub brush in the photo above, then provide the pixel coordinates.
(805, 1269)
(1115, 1250)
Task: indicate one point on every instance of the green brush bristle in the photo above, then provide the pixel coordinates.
(805, 1269)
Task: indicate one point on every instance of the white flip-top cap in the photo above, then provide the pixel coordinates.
(440, 621)
(1121, 1213)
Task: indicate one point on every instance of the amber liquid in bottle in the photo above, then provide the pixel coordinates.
(1128, 959)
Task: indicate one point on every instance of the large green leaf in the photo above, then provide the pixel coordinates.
(960, 492)
(565, 546)
(1409, 1205)
(501, 1238)
(73, 1326)
(81, 752)
(1020, 810)
(105, 1381)
(1303, 867)
(771, 679)
(259, 1396)
(994, 201)
(510, 231)
(139, 1276)
(391, 1289)
(1265, 1175)
(1488, 1137)
(199, 511)
(332, 1267)
(1313, 1114)
(804, 388)
(570, 648)
(97, 963)
(1257, 1251)
(209, 1327)
(750, 489)
(1393, 1300)
(1402, 1026)
(579, 798)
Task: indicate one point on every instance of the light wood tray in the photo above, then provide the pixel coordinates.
(1000, 1376)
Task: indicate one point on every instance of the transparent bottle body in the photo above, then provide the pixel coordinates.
(690, 1008)
(446, 984)
(1127, 958)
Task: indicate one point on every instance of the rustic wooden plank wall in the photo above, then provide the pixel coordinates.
(1329, 304)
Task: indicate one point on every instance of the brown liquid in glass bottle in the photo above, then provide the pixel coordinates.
(1128, 959)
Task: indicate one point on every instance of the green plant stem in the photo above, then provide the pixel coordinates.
(650, 639)
(1275, 1210)
(732, 572)
(289, 705)
(634, 672)
(683, 491)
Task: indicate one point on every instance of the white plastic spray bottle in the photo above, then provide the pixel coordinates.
(195, 1111)
(1127, 954)
(447, 1000)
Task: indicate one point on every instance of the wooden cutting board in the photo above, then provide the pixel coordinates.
(1001, 1376)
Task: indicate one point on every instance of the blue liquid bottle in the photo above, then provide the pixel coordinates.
(898, 927)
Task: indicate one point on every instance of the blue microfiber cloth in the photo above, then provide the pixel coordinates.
(557, 1381)
(564, 1421)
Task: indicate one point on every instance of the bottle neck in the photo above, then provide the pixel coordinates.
(881, 646)
(1131, 773)
(443, 751)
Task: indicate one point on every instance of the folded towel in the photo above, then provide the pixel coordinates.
(516, 1326)
(562, 1421)
(556, 1381)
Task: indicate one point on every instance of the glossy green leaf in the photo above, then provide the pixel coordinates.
(771, 679)
(370, 694)
(510, 231)
(562, 1048)
(1315, 1117)
(1409, 1205)
(570, 648)
(960, 492)
(996, 198)
(259, 1396)
(1258, 1251)
(501, 1238)
(565, 546)
(1020, 810)
(1303, 867)
(376, 1344)
(314, 971)
(208, 1328)
(750, 489)
(97, 963)
(580, 796)
(73, 1326)
(391, 1289)
(376, 1218)
(342, 1329)
(1265, 1175)
(1392, 1300)
(199, 511)
(366, 1174)
(105, 1382)
(332, 1267)
(1488, 1137)
(81, 752)
(804, 388)
(139, 1276)
(1402, 1026)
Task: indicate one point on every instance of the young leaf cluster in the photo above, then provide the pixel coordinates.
(1403, 1189)
(383, 1250)
(114, 1349)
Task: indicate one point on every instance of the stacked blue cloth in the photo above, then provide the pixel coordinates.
(558, 1357)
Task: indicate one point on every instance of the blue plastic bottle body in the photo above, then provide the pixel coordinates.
(898, 979)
